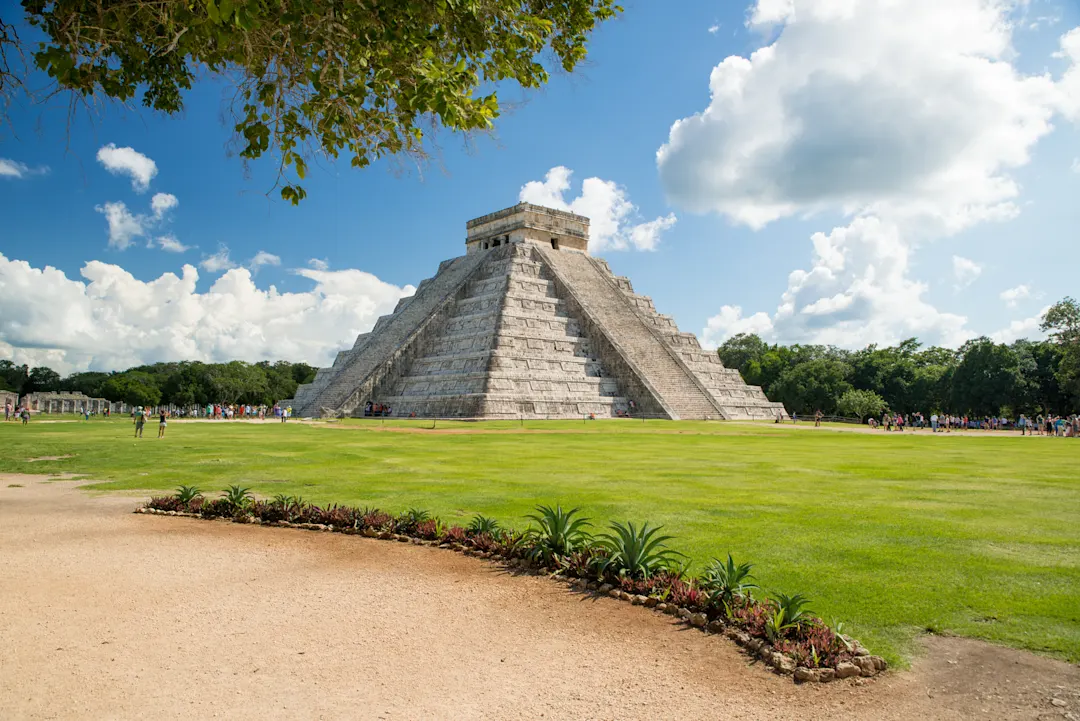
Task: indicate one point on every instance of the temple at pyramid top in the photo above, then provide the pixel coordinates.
(528, 223)
(526, 324)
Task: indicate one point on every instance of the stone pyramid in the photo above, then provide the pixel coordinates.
(527, 324)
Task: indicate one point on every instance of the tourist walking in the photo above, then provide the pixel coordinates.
(161, 424)
(7, 411)
(25, 415)
(817, 418)
(1021, 423)
(140, 421)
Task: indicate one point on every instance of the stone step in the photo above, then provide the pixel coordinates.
(498, 405)
(526, 384)
(500, 360)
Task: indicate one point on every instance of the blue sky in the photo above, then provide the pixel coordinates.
(951, 178)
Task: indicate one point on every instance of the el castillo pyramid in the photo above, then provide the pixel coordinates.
(527, 324)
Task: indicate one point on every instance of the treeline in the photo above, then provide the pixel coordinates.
(181, 384)
(981, 378)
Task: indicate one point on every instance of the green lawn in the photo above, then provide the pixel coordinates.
(893, 534)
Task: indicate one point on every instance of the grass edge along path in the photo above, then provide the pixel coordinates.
(891, 534)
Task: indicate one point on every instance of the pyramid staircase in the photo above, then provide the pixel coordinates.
(509, 349)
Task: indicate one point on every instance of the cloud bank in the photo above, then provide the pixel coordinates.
(110, 320)
(906, 118)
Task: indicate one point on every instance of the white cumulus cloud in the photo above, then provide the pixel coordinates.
(129, 162)
(263, 258)
(1017, 329)
(611, 215)
(903, 109)
(319, 264)
(1013, 295)
(162, 203)
(857, 291)
(14, 169)
(218, 261)
(110, 320)
(907, 118)
(124, 226)
(170, 244)
(965, 271)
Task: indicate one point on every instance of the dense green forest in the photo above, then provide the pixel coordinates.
(980, 378)
(179, 384)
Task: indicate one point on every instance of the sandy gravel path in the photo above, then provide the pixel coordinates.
(105, 614)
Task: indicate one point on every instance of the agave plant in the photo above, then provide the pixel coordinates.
(636, 552)
(556, 533)
(187, 494)
(793, 608)
(790, 613)
(727, 583)
(238, 497)
(483, 525)
(410, 519)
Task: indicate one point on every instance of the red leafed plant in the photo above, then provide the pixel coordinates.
(427, 530)
(454, 534)
(753, 617)
(485, 543)
(377, 520)
(815, 645)
(684, 593)
(166, 503)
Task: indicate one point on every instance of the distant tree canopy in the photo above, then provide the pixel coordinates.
(981, 378)
(179, 384)
(363, 78)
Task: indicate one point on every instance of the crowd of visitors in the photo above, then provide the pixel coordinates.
(947, 423)
(378, 409)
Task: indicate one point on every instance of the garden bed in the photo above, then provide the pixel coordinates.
(628, 563)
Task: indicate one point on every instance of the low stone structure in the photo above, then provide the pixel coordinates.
(63, 402)
(527, 325)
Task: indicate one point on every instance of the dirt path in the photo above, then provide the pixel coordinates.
(108, 614)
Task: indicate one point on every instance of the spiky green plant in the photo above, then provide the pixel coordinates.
(187, 494)
(556, 533)
(727, 583)
(636, 552)
(416, 515)
(793, 608)
(282, 500)
(238, 497)
(483, 525)
(838, 632)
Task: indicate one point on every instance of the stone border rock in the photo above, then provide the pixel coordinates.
(863, 665)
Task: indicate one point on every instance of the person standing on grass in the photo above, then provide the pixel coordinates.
(25, 415)
(817, 418)
(7, 411)
(140, 421)
(1021, 423)
(161, 424)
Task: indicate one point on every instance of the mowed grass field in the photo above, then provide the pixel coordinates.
(893, 534)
